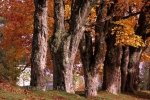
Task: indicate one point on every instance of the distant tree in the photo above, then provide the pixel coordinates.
(16, 36)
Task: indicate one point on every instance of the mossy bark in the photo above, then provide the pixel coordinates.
(63, 45)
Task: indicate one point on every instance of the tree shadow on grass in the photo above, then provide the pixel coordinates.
(80, 93)
(140, 94)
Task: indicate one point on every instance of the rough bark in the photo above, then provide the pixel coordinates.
(64, 45)
(39, 45)
(112, 64)
(56, 46)
(133, 70)
(91, 85)
(124, 67)
(112, 67)
(91, 65)
(90, 76)
(93, 56)
(135, 53)
(149, 80)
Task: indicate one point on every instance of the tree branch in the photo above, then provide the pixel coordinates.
(132, 14)
(25, 67)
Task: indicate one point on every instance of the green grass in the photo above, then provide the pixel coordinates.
(142, 95)
(39, 95)
(58, 95)
(4, 95)
(102, 95)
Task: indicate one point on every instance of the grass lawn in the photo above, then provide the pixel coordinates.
(8, 92)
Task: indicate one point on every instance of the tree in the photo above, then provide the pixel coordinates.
(149, 80)
(124, 67)
(39, 45)
(93, 53)
(16, 36)
(58, 78)
(135, 53)
(112, 73)
(127, 34)
(64, 45)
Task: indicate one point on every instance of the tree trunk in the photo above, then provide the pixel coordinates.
(39, 45)
(124, 67)
(112, 82)
(149, 79)
(91, 75)
(133, 70)
(112, 64)
(93, 56)
(64, 45)
(91, 84)
(57, 47)
(135, 53)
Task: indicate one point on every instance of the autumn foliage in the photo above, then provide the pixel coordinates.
(16, 35)
(125, 33)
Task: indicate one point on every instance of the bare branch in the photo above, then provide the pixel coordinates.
(132, 14)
